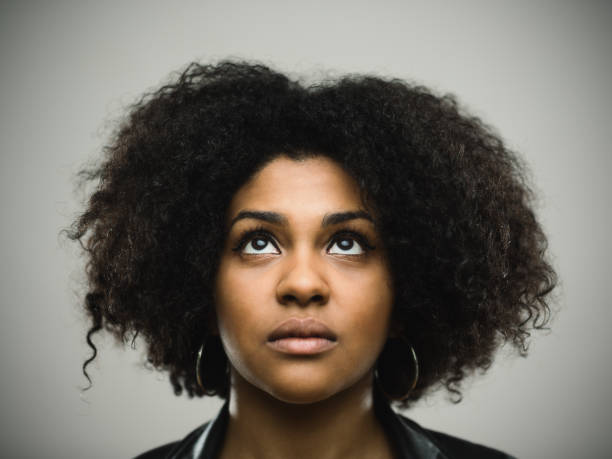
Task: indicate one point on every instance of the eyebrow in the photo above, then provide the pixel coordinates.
(279, 219)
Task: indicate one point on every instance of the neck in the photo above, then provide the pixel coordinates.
(263, 426)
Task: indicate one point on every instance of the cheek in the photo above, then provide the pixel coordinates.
(229, 307)
(370, 305)
(239, 299)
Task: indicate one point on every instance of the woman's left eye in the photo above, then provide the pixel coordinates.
(346, 246)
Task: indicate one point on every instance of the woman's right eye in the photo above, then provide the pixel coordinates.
(259, 245)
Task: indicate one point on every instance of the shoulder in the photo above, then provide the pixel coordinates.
(170, 449)
(464, 448)
(160, 452)
(455, 447)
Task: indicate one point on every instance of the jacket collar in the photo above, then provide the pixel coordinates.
(407, 438)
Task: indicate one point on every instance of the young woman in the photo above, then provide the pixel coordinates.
(311, 255)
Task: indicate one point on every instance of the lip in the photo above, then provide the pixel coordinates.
(302, 336)
(302, 346)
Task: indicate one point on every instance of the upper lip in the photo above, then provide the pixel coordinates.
(296, 327)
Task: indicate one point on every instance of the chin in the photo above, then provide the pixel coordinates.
(300, 396)
(302, 388)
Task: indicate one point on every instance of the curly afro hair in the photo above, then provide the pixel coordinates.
(466, 252)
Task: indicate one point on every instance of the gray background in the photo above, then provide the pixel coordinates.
(540, 72)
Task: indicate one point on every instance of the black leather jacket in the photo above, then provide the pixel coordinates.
(408, 439)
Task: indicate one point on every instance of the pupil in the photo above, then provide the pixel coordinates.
(346, 244)
(259, 243)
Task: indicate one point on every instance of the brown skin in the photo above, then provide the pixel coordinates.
(303, 405)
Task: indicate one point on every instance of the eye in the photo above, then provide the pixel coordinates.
(345, 245)
(259, 245)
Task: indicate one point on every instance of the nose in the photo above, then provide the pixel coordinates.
(302, 282)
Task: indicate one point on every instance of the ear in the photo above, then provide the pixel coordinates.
(214, 328)
(396, 330)
(212, 321)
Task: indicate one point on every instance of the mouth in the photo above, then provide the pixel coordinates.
(306, 336)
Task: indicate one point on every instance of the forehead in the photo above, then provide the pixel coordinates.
(307, 186)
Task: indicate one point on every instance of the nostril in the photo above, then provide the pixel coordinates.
(292, 299)
(289, 299)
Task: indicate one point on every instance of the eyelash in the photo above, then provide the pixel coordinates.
(247, 235)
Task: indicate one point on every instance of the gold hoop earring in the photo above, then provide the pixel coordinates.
(398, 380)
(198, 362)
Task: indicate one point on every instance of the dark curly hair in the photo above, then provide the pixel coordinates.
(454, 209)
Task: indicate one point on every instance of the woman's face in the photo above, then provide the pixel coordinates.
(303, 289)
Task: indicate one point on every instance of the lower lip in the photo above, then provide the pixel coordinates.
(302, 346)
